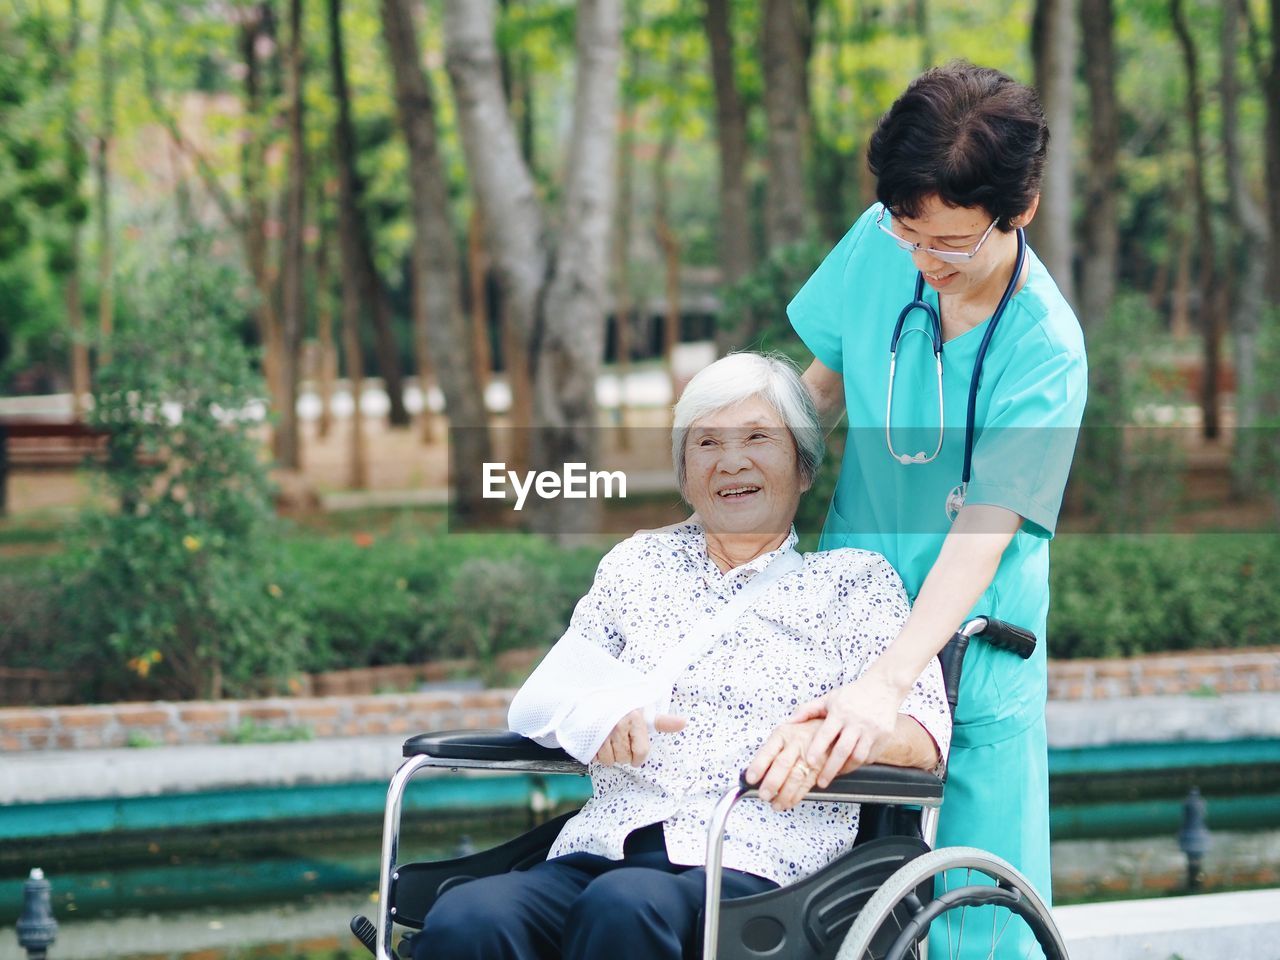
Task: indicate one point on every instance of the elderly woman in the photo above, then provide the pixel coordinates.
(682, 666)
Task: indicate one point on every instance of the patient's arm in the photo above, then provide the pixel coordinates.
(910, 746)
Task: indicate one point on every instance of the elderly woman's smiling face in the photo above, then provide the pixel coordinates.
(741, 470)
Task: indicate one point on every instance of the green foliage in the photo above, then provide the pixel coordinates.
(1124, 595)
(1129, 461)
(764, 294)
(407, 599)
(1266, 434)
(251, 731)
(181, 583)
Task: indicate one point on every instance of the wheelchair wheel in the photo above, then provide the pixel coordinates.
(970, 904)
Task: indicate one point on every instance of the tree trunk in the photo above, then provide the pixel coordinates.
(437, 278)
(736, 258)
(478, 274)
(556, 307)
(326, 369)
(786, 208)
(669, 243)
(1101, 221)
(72, 294)
(106, 133)
(288, 445)
(349, 255)
(622, 279)
(1053, 46)
(253, 173)
(350, 196)
(1210, 319)
(1272, 155)
(922, 31)
(1248, 288)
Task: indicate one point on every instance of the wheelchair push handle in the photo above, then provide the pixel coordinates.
(1006, 636)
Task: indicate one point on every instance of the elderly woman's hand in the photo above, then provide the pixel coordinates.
(856, 724)
(779, 766)
(629, 740)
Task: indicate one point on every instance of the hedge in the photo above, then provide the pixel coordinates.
(413, 597)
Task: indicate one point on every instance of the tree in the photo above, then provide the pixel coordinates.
(1101, 226)
(437, 281)
(736, 256)
(1249, 286)
(786, 215)
(288, 446)
(554, 292)
(1053, 44)
(1272, 100)
(106, 121)
(370, 289)
(1206, 273)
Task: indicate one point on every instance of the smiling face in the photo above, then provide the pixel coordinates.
(959, 229)
(741, 470)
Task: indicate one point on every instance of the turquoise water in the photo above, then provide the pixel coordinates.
(1115, 814)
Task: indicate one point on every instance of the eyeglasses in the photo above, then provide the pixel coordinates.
(947, 256)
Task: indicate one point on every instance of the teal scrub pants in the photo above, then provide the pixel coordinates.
(996, 799)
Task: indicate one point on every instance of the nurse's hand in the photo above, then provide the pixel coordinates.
(858, 722)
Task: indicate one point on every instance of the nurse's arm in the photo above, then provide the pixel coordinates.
(826, 386)
(860, 717)
(965, 567)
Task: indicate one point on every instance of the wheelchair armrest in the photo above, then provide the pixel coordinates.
(882, 783)
(482, 745)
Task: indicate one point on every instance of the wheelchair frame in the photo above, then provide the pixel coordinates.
(500, 750)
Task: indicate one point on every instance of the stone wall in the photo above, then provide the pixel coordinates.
(1207, 672)
(240, 721)
(144, 724)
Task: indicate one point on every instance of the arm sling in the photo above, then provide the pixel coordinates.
(579, 692)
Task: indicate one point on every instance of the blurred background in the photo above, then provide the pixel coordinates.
(272, 273)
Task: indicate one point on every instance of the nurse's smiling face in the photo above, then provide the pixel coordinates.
(960, 229)
(741, 470)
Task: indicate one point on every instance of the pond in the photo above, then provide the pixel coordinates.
(289, 891)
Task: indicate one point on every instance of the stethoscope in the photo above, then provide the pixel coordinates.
(955, 499)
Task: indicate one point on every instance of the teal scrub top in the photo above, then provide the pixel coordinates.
(1030, 401)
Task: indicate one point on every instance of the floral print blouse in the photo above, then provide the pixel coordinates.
(814, 629)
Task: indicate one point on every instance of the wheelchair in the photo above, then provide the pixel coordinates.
(892, 896)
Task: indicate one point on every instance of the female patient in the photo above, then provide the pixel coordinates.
(670, 687)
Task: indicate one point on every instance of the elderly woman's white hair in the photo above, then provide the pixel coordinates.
(741, 376)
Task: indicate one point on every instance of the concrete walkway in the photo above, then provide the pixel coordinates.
(1221, 926)
(1218, 926)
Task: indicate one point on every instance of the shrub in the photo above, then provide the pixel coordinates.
(1123, 595)
(410, 599)
(181, 584)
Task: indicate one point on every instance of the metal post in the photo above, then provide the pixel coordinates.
(37, 928)
(1193, 838)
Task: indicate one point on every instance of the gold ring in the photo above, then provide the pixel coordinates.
(806, 771)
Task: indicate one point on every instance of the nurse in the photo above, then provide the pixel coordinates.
(964, 513)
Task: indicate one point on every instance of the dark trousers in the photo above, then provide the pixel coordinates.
(580, 907)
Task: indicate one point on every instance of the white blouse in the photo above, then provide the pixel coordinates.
(814, 629)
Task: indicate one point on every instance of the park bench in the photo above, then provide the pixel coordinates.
(45, 444)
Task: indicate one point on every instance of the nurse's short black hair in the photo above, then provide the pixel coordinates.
(972, 136)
